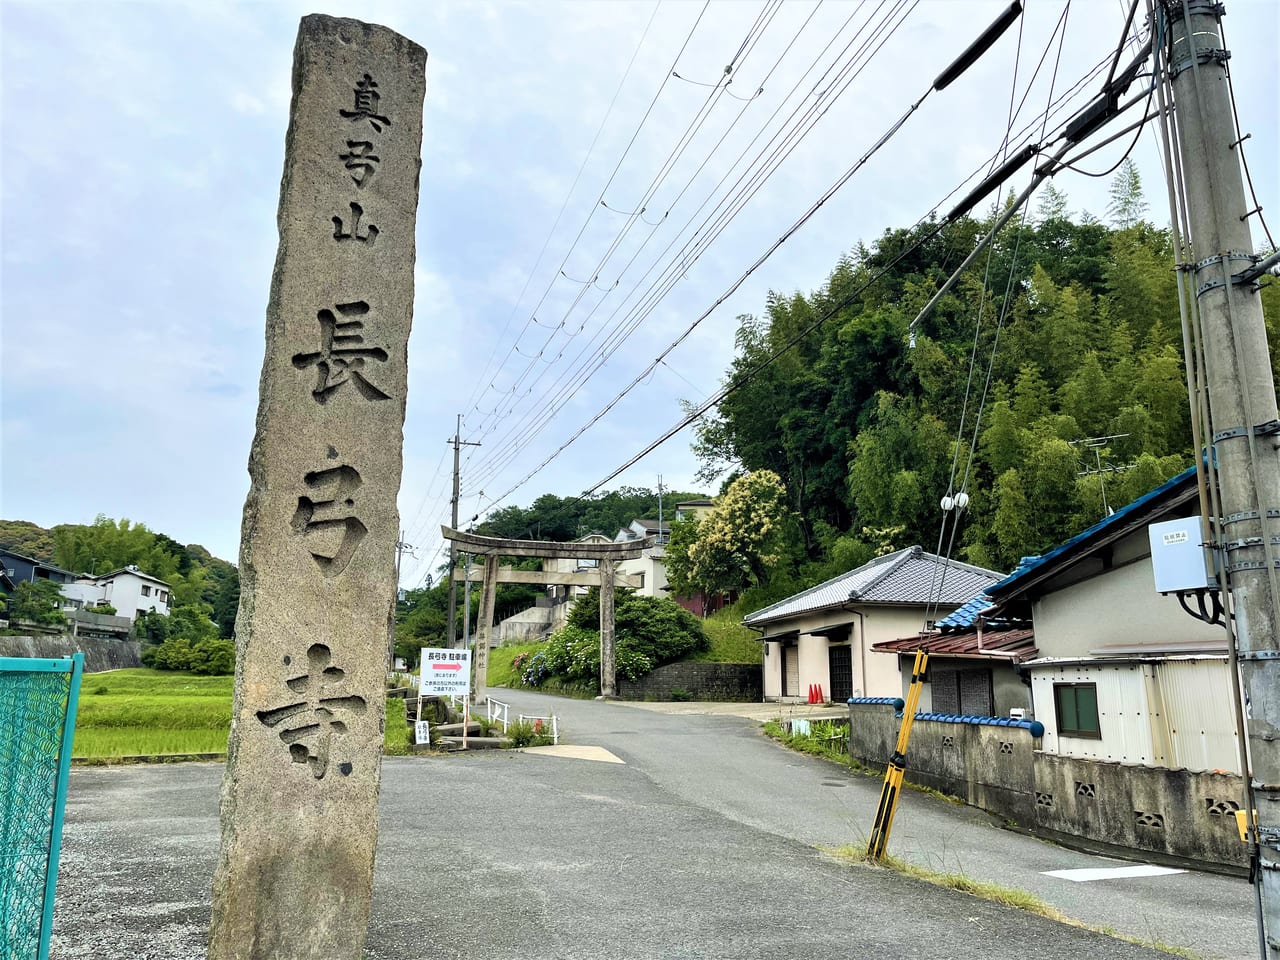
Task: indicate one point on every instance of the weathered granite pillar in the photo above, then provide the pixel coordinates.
(300, 794)
(484, 629)
(608, 669)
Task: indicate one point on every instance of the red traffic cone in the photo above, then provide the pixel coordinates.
(811, 700)
(821, 697)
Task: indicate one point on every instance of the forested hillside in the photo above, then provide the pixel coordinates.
(204, 587)
(1069, 330)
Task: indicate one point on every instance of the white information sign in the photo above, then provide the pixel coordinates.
(444, 673)
(421, 732)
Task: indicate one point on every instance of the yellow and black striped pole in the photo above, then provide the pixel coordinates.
(893, 774)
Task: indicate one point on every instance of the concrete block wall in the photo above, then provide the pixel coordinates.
(1175, 815)
(99, 655)
(700, 681)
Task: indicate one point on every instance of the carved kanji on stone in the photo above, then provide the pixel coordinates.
(366, 106)
(309, 725)
(316, 516)
(361, 161)
(342, 354)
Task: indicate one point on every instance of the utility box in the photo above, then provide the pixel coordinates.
(1177, 556)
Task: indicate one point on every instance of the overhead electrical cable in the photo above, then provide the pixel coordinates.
(948, 76)
(686, 138)
(564, 204)
(674, 273)
(701, 410)
(1059, 105)
(626, 151)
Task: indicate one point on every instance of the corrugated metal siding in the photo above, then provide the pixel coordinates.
(1199, 714)
(1122, 712)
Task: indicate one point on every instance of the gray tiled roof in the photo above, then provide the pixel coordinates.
(906, 576)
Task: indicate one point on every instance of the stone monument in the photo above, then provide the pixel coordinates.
(317, 566)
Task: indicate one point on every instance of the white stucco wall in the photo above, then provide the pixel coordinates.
(874, 674)
(124, 592)
(654, 570)
(1116, 607)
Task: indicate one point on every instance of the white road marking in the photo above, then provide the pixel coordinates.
(1111, 873)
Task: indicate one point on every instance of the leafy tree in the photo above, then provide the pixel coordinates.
(738, 544)
(38, 601)
(26, 538)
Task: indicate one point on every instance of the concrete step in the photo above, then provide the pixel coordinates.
(475, 743)
(455, 729)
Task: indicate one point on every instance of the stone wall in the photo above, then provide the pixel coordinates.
(99, 655)
(1153, 812)
(696, 681)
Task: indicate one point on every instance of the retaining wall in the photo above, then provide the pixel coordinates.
(1178, 816)
(697, 681)
(99, 655)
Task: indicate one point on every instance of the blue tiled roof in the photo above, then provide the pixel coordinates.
(1031, 565)
(967, 615)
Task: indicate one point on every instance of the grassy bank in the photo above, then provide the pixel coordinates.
(731, 642)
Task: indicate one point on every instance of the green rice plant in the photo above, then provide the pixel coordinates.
(133, 742)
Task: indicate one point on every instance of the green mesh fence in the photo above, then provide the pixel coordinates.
(37, 714)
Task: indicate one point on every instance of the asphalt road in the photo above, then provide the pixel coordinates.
(702, 844)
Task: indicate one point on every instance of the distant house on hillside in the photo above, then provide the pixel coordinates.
(826, 636)
(128, 589)
(17, 567)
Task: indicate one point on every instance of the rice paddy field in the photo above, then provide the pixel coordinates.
(162, 713)
(125, 713)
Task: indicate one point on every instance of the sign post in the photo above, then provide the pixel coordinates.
(446, 673)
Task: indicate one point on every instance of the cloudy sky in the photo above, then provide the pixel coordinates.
(577, 158)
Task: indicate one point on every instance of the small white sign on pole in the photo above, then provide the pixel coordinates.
(421, 732)
(444, 673)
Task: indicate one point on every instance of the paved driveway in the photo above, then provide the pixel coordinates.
(701, 844)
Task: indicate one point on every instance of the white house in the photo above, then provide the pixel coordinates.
(128, 589)
(651, 566)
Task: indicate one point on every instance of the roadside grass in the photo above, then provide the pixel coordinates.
(501, 672)
(731, 642)
(823, 742)
(997, 893)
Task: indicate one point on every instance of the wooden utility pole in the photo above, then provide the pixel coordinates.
(1242, 404)
(458, 444)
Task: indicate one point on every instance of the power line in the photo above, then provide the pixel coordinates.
(694, 247)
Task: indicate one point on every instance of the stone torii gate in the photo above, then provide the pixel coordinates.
(607, 554)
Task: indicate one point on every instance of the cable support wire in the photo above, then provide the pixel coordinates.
(1043, 119)
(675, 271)
(955, 501)
(694, 127)
(701, 410)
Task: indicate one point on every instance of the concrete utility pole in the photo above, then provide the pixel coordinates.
(401, 548)
(1242, 402)
(458, 444)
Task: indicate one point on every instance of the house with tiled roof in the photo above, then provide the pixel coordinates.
(974, 657)
(825, 637)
